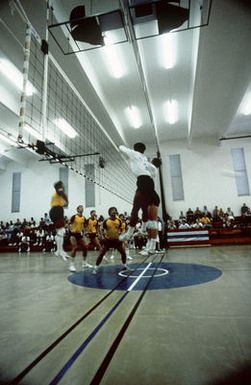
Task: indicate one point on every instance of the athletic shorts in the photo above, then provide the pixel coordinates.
(92, 236)
(57, 216)
(145, 185)
(77, 236)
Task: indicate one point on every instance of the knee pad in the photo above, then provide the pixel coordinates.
(61, 232)
(152, 225)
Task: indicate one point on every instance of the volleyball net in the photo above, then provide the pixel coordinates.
(53, 113)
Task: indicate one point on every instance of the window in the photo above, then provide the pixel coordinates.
(239, 165)
(176, 178)
(89, 186)
(16, 191)
(64, 177)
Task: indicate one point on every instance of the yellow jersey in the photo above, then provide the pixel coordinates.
(92, 225)
(112, 228)
(77, 223)
(57, 200)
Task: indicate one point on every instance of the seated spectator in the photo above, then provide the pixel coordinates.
(189, 215)
(17, 224)
(197, 224)
(245, 210)
(216, 213)
(230, 214)
(182, 216)
(32, 235)
(197, 213)
(206, 212)
(40, 235)
(184, 225)
(24, 244)
(24, 223)
(221, 214)
(3, 238)
(50, 243)
(32, 222)
(171, 224)
(47, 220)
(206, 221)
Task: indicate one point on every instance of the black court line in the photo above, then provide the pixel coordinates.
(62, 372)
(24, 372)
(106, 361)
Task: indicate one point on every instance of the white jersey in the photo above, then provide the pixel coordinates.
(139, 163)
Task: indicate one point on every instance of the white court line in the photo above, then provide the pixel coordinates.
(136, 280)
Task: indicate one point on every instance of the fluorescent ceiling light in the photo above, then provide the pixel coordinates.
(246, 105)
(134, 116)
(15, 76)
(8, 140)
(113, 62)
(168, 50)
(171, 111)
(66, 128)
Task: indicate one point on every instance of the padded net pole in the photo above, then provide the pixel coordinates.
(27, 45)
(45, 73)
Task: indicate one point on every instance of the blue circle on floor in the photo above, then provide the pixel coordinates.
(165, 276)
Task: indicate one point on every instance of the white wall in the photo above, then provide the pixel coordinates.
(208, 176)
(207, 170)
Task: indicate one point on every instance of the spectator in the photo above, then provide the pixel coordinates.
(184, 225)
(206, 221)
(230, 213)
(40, 235)
(189, 215)
(24, 244)
(197, 213)
(206, 212)
(216, 213)
(182, 216)
(245, 210)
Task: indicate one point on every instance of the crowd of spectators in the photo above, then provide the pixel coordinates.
(31, 233)
(203, 218)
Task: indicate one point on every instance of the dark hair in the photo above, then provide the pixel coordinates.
(58, 185)
(140, 147)
(156, 162)
(112, 208)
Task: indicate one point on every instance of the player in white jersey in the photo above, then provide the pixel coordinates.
(145, 197)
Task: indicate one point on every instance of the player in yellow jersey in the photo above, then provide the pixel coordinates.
(92, 229)
(111, 230)
(59, 200)
(77, 224)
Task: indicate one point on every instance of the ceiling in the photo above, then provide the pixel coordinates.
(210, 78)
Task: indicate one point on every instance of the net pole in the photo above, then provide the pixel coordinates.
(45, 75)
(27, 46)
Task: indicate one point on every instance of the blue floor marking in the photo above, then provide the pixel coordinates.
(86, 342)
(179, 275)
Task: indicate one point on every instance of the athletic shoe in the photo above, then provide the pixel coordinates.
(72, 268)
(60, 256)
(65, 255)
(95, 270)
(125, 267)
(144, 252)
(128, 257)
(86, 264)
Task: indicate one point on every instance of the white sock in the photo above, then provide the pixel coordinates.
(59, 242)
(152, 246)
(130, 231)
